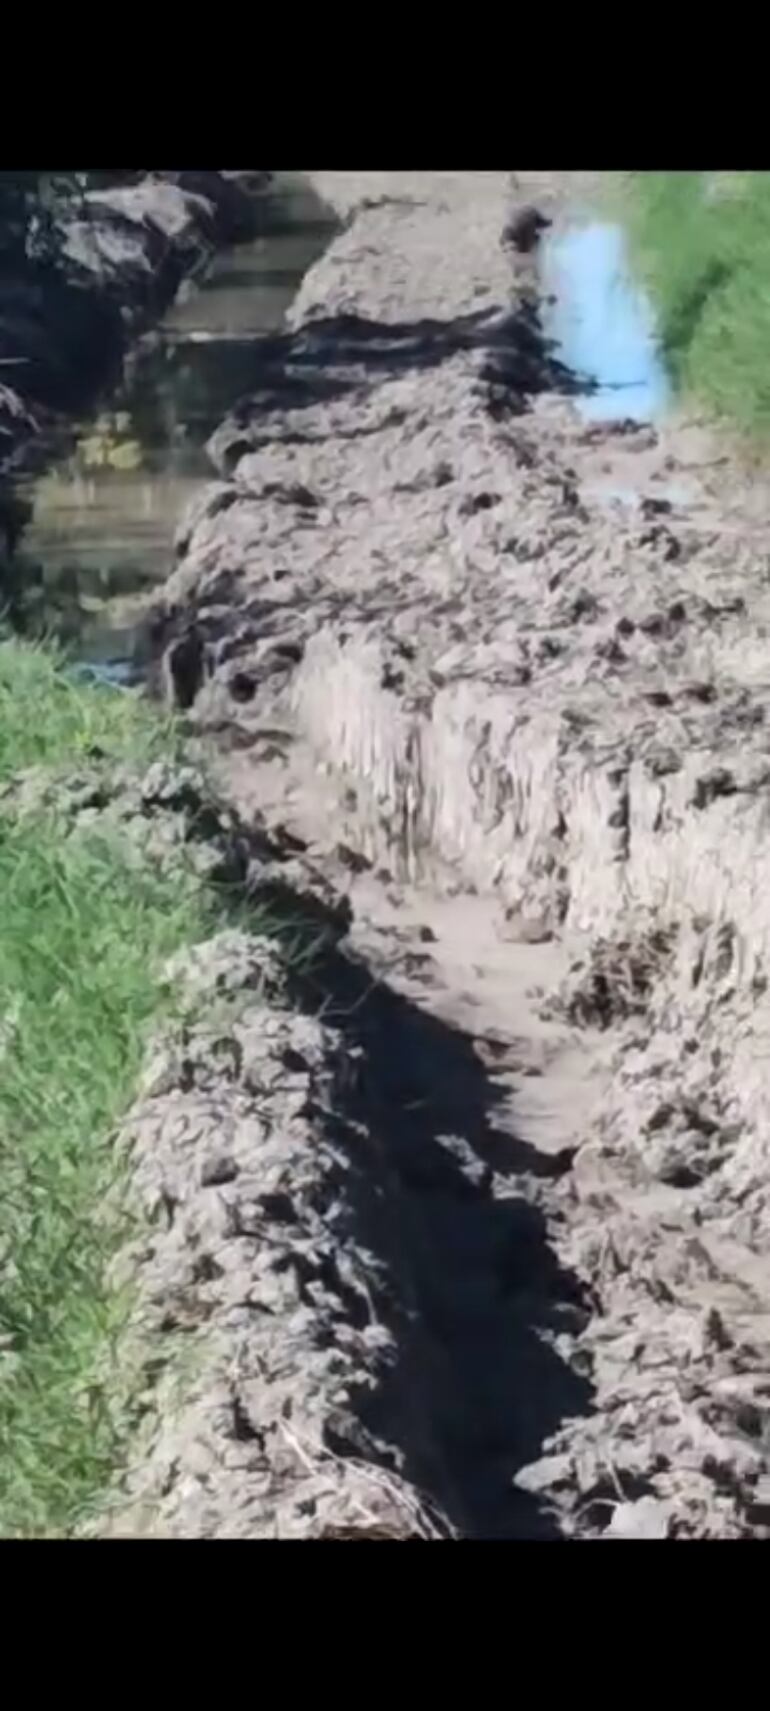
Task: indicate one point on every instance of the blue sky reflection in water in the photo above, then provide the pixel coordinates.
(603, 323)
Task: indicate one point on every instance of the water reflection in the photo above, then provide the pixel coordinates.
(104, 518)
(602, 323)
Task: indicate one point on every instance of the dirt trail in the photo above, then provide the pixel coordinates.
(511, 736)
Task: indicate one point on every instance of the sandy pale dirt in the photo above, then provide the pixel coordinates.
(498, 1259)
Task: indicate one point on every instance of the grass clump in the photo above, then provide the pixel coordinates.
(83, 935)
(703, 240)
(48, 718)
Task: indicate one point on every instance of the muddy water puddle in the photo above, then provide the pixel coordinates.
(100, 536)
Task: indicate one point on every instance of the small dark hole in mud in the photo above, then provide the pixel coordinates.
(611, 651)
(669, 546)
(660, 1118)
(173, 1322)
(585, 605)
(681, 1176)
(218, 1172)
(167, 1205)
(478, 502)
(292, 652)
(711, 786)
(598, 1512)
(416, 963)
(279, 1207)
(242, 687)
(206, 1270)
(705, 693)
(352, 859)
(242, 1430)
(662, 763)
(750, 1420)
(294, 1060)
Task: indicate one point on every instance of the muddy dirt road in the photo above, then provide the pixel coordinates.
(510, 735)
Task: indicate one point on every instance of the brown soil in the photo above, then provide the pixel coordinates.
(520, 730)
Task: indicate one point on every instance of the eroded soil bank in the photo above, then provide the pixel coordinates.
(468, 1214)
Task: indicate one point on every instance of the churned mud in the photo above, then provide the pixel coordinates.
(467, 1212)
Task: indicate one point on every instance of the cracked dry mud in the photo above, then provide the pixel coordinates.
(469, 1218)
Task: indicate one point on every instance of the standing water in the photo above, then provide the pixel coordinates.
(103, 522)
(602, 323)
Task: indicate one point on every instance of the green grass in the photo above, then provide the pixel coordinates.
(83, 934)
(49, 719)
(703, 241)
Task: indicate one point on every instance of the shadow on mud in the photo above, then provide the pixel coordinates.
(464, 1274)
(332, 356)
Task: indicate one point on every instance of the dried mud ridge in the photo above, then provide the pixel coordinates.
(503, 745)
